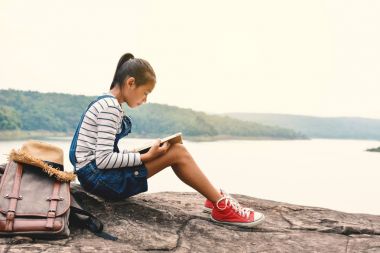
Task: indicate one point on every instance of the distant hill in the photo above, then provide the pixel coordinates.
(57, 112)
(318, 127)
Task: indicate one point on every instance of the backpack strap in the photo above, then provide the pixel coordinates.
(14, 197)
(91, 223)
(54, 198)
(85, 219)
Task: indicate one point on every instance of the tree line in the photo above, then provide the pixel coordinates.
(57, 112)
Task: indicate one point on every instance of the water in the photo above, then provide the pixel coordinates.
(336, 174)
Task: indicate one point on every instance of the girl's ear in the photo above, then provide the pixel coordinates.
(131, 82)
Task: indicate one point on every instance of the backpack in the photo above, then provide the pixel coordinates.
(35, 197)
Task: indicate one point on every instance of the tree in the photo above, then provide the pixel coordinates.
(9, 118)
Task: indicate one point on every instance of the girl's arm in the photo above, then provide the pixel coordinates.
(107, 122)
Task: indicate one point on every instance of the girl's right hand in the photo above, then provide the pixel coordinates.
(156, 150)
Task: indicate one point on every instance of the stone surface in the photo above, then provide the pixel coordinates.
(174, 222)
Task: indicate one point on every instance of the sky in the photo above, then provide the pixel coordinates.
(308, 57)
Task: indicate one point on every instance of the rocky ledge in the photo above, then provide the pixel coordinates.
(174, 222)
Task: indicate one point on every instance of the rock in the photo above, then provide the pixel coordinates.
(374, 149)
(174, 222)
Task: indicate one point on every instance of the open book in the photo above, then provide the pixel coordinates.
(175, 138)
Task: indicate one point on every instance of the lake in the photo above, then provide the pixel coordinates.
(335, 174)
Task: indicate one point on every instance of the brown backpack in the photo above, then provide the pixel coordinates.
(33, 203)
(35, 198)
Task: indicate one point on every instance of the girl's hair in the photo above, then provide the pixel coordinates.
(129, 66)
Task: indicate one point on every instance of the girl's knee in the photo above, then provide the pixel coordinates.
(178, 148)
(180, 152)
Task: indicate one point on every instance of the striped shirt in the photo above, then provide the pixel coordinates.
(97, 135)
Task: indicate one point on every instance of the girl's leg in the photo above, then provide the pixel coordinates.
(186, 169)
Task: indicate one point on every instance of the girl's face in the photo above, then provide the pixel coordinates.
(136, 95)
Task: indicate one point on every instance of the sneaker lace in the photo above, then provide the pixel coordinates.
(244, 212)
(232, 199)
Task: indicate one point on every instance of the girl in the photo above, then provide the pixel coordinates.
(114, 174)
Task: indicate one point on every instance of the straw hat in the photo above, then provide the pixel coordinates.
(45, 156)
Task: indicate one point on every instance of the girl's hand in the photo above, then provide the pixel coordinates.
(155, 151)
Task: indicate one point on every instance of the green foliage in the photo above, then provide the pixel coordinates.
(45, 111)
(318, 127)
(9, 118)
(35, 111)
(157, 120)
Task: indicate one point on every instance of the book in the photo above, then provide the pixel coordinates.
(175, 138)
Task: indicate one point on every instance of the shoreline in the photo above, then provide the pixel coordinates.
(19, 135)
(16, 135)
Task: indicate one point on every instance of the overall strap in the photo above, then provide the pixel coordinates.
(126, 126)
(73, 145)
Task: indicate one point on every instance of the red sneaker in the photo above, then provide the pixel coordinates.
(227, 211)
(208, 206)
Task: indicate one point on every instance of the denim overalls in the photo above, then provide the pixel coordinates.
(110, 184)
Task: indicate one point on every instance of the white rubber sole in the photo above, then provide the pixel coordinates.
(242, 224)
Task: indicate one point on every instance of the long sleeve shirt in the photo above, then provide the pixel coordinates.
(97, 135)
